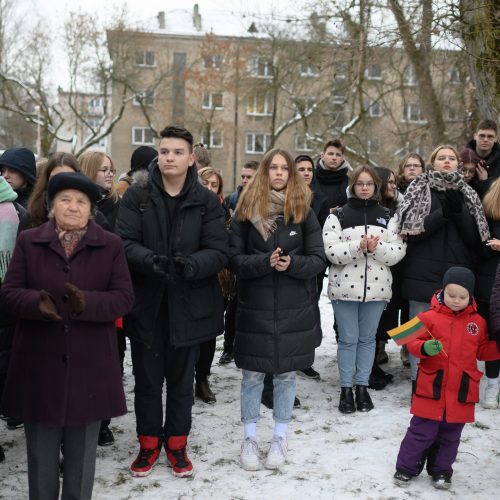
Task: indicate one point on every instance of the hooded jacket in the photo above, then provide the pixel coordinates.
(493, 163)
(447, 384)
(197, 232)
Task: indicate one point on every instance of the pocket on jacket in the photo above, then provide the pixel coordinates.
(429, 383)
(469, 387)
(200, 297)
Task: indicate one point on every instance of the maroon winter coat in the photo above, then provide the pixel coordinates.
(450, 382)
(67, 372)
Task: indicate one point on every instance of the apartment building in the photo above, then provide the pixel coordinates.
(241, 88)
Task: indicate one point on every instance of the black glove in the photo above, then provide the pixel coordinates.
(454, 200)
(161, 265)
(183, 267)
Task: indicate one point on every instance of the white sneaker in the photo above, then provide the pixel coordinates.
(490, 397)
(276, 457)
(249, 458)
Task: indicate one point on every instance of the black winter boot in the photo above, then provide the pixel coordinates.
(346, 404)
(363, 399)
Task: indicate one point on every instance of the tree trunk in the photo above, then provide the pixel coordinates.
(480, 32)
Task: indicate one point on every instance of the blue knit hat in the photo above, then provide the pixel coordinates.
(22, 160)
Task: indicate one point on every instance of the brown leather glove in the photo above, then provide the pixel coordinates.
(76, 299)
(48, 307)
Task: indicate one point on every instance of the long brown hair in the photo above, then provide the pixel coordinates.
(37, 207)
(90, 163)
(256, 193)
(491, 201)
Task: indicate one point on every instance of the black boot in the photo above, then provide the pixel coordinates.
(379, 378)
(363, 399)
(2, 455)
(346, 404)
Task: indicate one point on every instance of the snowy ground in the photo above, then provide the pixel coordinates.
(331, 456)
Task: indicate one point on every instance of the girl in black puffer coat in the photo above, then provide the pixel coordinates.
(277, 251)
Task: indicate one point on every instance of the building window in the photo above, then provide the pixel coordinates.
(96, 106)
(257, 143)
(372, 146)
(374, 72)
(309, 70)
(259, 105)
(212, 138)
(213, 62)
(260, 67)
(341, 70)
(413, 114)
(375, 109)
(144, 97)
(146, 58)
(409, 76)
(454, 75)
(302, 143)
(304, 105)
(212, 101)
(142, 135)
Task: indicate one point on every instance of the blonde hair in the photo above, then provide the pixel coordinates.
(256, 194)
(206, 172)
(90, 163)
(491, 201)
(439, 148)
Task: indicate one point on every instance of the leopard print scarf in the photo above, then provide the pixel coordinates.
(417, 201)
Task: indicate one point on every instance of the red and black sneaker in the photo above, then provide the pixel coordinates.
(148, 455)
(177, 456)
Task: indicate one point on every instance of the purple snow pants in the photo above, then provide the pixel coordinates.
(421, 434)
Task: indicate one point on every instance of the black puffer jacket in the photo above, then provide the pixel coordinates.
(333, 183)
(446, 242)
(277, 323)
(319, 203)
(487, 266)
(195, 305)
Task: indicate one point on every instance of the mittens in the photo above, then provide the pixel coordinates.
(76, 299)
(432, 347)
(47, 307)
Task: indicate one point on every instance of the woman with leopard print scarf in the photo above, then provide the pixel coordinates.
(444, 222)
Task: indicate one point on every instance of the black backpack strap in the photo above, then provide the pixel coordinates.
(339, 213)
(387, 214)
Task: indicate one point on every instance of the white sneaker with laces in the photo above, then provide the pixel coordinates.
(490, 397)
(276, 457)
(249, 458)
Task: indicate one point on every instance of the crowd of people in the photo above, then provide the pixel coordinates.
(161, 257)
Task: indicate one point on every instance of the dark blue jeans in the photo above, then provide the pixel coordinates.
(421, 434)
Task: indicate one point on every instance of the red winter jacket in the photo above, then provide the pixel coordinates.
(447, 385)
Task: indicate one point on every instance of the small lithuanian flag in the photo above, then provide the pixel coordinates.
(407, 331)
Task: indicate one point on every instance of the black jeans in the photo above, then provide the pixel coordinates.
(207, 352)
(152, 367)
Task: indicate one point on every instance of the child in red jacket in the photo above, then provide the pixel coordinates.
(447, 385)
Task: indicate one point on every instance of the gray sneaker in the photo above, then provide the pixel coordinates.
(249, 457)
(276, 456)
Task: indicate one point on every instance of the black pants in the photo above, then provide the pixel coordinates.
(152, 367)
(230, 324)
(207, 352)
(492, 368)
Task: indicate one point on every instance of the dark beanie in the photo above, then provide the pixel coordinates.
(22, 160)
(142, 157)
(73, 180)
(460, 276)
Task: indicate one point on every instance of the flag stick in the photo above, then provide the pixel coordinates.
(435, 340)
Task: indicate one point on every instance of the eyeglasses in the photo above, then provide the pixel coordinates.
(106, 170)
(413, 165)
(364, 184)
(488, 137)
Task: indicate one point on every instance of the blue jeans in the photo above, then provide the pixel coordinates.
(357, 324)
(251, 393)
(416, 308)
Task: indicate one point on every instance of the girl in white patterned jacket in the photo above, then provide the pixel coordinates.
(361, 241)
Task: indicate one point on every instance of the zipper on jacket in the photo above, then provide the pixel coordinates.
(366, 254)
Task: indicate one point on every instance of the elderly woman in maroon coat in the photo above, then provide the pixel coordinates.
(67, 282)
